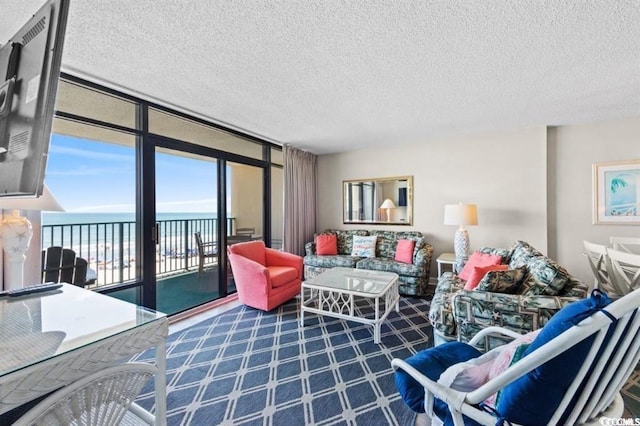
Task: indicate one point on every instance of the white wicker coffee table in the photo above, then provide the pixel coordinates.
(339, 293)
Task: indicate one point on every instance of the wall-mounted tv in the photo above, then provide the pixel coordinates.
(29, 71)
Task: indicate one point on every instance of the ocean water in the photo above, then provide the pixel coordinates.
(106, 235)
(65, 218)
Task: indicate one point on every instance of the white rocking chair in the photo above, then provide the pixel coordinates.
(595, 391)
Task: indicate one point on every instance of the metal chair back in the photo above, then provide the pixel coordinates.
(61, 265)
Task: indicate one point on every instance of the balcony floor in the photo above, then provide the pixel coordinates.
(183, 291)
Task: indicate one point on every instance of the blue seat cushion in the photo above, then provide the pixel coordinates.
(432, 363)
(532, 398)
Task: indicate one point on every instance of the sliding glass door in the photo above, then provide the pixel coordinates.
(187, 221)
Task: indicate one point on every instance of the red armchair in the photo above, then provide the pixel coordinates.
(264, 277)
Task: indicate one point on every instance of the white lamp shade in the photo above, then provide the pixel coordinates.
(388, 204)
(46, 202)
(460, 214)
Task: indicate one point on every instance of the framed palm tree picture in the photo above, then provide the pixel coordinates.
(616, 193)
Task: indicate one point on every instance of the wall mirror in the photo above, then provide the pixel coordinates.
(383, 201)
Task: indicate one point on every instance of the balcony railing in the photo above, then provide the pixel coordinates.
(110, 249)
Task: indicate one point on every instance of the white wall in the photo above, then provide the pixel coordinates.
(572, 151)
(504, 174)
(532, 184)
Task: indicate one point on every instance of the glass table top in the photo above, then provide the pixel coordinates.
(40, 326)
(355, 280)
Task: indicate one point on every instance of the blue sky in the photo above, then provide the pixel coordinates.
(89, 176)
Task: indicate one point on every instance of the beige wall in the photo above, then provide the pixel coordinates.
(572, 151)
(504, 174)
(246, 196)
(532, 184)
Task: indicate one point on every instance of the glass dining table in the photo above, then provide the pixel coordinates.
(51, 339)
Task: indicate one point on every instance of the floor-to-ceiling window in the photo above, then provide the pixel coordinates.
(91, 170)
(187, 228)
(152, 178)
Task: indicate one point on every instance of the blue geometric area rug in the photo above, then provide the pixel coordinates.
(248, 367)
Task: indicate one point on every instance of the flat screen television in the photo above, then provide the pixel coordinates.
(29, 71)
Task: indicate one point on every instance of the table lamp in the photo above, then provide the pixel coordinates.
(388, 205)
(16, 233)
(461, 214)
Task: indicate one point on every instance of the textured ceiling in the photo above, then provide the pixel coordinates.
(336, 75)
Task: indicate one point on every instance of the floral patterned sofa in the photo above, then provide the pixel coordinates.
(458, 314)
(413, 277)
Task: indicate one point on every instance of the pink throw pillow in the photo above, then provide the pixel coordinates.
(478, 259)
(479, 272)
(326, 245)
(404, 251)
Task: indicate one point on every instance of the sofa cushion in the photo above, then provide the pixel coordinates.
(281, 275)
(504, 253)
(331, 261)
(574, 288)
(390, 265)
(521, 253)
(385, 243)
(545, 276)
(506, 281)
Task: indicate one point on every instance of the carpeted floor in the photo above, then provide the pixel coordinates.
(631, 394)
(248, 367)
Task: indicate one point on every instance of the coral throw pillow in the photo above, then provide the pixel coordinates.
(479, 272)
(327, 245)
(478, 259)
(404, 251)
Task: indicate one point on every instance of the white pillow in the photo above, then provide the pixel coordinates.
(470, 375)
(364, 246)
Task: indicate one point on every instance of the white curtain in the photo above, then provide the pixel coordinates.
(300, 179)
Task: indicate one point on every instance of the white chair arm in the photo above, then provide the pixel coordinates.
(455, 400)
(493, 331)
